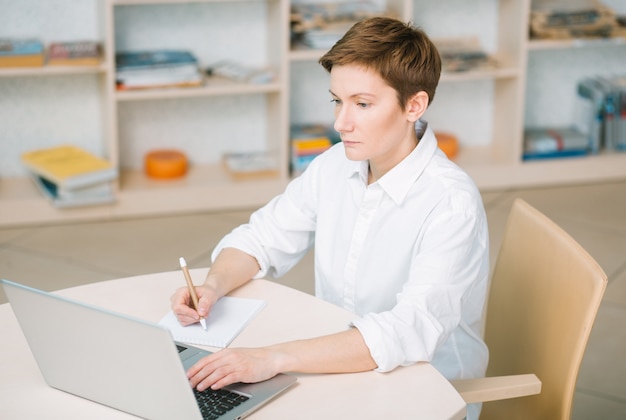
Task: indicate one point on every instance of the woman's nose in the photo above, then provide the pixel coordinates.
(342, 120)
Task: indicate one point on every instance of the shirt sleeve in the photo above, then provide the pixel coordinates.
(448, 263)
(280, 233)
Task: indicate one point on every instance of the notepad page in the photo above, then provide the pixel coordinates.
(227, 319)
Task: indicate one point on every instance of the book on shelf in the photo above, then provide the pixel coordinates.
(251, 165)
(554, 142)
(240, 73)
(151, 59)
(307, 142)
(463, 54)
(74, 53)
(69, 167)
(62, 198)
(156, 68)
(21, 52)
(163, 77)
(620, 112)
(320, 25)
(325, 37)
(571, 19)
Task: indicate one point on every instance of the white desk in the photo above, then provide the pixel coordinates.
(414, 392)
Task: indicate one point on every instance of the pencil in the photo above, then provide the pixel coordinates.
(192, 289)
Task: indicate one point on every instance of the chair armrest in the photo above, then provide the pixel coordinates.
(497, 387)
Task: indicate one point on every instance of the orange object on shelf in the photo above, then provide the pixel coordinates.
(448, 143)
(165, 164)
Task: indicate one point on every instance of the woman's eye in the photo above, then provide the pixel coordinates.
(362, 105)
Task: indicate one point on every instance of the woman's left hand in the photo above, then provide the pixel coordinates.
(228, 366)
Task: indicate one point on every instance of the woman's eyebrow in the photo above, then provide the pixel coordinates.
(355, 95)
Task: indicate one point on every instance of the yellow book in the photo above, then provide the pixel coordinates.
(69, 166)
(311, 143)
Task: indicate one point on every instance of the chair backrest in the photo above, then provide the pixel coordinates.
(544, 295)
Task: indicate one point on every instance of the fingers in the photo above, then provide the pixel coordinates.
(185, 314)
(212, 371)
(204, 304)
(229, 366)
(183, 308)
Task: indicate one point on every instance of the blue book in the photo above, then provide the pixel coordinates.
(555, 155)
(142, 60)
(86, 197)
(16, 46)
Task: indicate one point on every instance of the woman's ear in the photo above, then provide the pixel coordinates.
(416, 106)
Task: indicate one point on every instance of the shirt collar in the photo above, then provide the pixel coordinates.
(399, 180)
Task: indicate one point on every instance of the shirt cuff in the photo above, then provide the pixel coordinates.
(375, 338)
(225, 243)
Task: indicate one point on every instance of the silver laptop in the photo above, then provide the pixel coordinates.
(123, 362)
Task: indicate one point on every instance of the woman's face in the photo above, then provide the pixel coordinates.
(369, 119)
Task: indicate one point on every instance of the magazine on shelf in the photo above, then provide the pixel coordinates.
(61, 198)
(21, 52)
(75, 53)
(554, 142)
(157, 68)
(151, 59)
(250, 165)
(69, 167)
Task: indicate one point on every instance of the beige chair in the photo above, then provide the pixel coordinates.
(544, 295)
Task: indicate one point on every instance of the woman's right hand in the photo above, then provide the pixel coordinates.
(182, 305)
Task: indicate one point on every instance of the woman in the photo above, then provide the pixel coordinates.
(400, 232)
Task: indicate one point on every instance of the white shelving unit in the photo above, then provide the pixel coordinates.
(221, 116)
(487, 110)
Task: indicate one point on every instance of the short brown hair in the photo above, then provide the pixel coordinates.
(400, 53)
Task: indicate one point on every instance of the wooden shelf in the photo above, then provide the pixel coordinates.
(211, 88)
(579, 170)
(545, 44)
(204, 188)
(50, 70)
(487, 74)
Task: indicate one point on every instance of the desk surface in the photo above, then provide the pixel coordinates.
(417, 391)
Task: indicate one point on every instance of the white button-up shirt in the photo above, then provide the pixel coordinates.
(408, 254)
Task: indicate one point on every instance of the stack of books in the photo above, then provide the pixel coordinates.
(566, 19)
(240, 73)
(307, 142)
(74, 53)
(157, 69)
(601, 109)
(16, 52)
(70, 176)
(550, 143)
(251, 165)
(320, 25)
(463, 54)
(600, 124)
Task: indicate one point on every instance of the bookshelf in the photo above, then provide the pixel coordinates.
(488, 110)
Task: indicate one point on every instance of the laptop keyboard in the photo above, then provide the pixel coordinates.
(214, 404)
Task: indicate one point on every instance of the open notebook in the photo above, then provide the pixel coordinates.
(228, 317)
